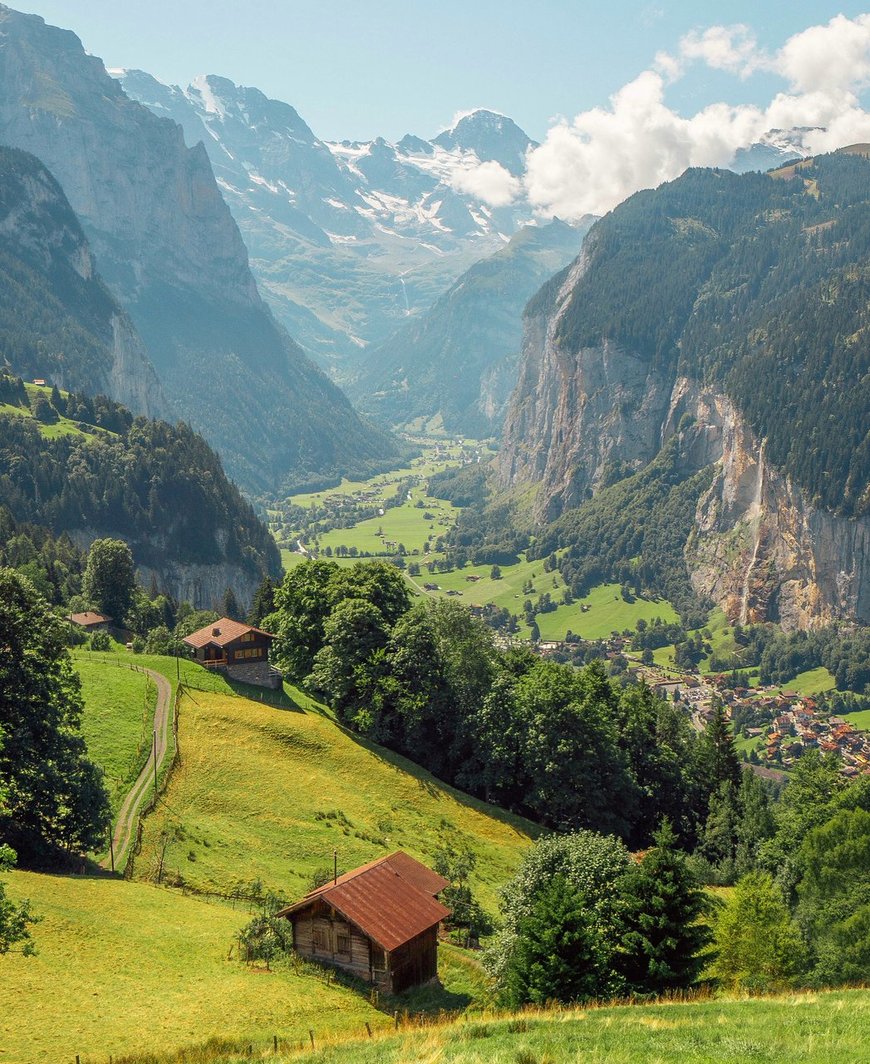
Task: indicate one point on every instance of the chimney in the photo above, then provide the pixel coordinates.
(215, 631)
(335, 866)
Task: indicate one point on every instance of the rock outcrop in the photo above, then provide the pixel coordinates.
(585, 414)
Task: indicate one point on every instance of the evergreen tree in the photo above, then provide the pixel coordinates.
(230, 606)
(758, 945)
(718, 762)
(263, 602)
(558, 954)
(661, 942)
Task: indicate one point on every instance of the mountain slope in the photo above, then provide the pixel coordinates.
(729, 314)
(167, 246)
(459, 358)
(57, 319)
(89, 469)
(349, 238)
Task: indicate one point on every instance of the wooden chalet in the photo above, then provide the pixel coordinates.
(239, 650)
(379, 922)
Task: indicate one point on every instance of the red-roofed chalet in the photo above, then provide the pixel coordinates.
(379, 922)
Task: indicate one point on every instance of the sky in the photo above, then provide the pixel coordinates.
(620, 95)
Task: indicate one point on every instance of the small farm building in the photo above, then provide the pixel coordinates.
(239, 650)
(379, 922)
(91, 621)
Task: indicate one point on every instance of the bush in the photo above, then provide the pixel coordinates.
(100, 641)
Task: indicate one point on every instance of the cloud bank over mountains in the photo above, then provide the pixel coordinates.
(591, 163)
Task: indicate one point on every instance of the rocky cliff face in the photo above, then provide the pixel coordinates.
(583, 415)
(77, 335)
(167, 246)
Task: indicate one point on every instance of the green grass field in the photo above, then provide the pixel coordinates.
(824, 1028)
(811, 682)
(861, 719)
(405, 524)
(267, 794)
(118, 720)
(123, 966)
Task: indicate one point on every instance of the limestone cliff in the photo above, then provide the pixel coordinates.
(765, 386)
(57, 319)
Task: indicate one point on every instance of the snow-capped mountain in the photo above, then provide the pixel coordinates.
(348, 239)
(774, 148)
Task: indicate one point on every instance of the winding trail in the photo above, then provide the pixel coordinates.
(125, 826)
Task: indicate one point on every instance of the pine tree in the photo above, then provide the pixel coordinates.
(559, 954)
(717, 757)
(661, 941)
(263, 602)
(230, 605)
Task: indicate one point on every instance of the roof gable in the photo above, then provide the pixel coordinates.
(222, 632)
(390, 900)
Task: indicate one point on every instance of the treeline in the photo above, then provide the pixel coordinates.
(583, 920)
(569, 747)
(159, 486)
(764, 295)
(779, 656)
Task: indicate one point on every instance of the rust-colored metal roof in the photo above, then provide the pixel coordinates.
(221, 633)
(89, 618)
(390, 900)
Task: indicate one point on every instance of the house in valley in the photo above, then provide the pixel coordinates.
(378, 922)
(238, 650)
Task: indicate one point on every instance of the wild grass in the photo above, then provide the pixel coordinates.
(117, 721)
(803, 1028)
(124, 965)
(268, 794)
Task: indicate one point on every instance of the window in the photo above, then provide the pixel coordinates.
(342, 943)
(379, 959)
(320, 939)
(248, 637)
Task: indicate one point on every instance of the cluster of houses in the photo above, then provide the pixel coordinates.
(799, 728)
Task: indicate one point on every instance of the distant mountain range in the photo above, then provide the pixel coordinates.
(168, 249)
(349, 239)
(459, 359)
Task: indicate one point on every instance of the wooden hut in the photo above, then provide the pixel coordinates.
(379, 922)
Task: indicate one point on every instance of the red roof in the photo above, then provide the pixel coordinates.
(89, 618)
(391, 900)
(221, 633)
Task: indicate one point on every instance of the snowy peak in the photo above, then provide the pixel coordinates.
(773, 148)
(492, 137)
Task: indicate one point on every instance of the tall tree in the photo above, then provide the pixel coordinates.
(559, 954)
(758, 945)
(717, 757)
(55, 798)
(263, 602)
(661, 941)
(110, 577)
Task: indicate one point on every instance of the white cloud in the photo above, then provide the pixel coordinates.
(591, 163)
(730, 48)
(489, 182)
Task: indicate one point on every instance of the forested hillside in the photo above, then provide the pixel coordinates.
(765, 294)
(87, 467)
(715, 328)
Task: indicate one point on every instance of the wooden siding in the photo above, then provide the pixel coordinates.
(321, 934)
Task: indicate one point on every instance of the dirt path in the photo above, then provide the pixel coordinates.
(125, 826)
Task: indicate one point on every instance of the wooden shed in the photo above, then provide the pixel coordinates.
(379, 922)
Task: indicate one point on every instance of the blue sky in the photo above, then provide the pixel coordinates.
(383, 67)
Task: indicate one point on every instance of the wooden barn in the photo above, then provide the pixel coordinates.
(379, 922)
(239, 650)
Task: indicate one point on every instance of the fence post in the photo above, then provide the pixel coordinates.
(310, 1035)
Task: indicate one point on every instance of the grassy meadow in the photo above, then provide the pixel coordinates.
(800, 1028)
(123, 965)
(266, 793)
(118, 720)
